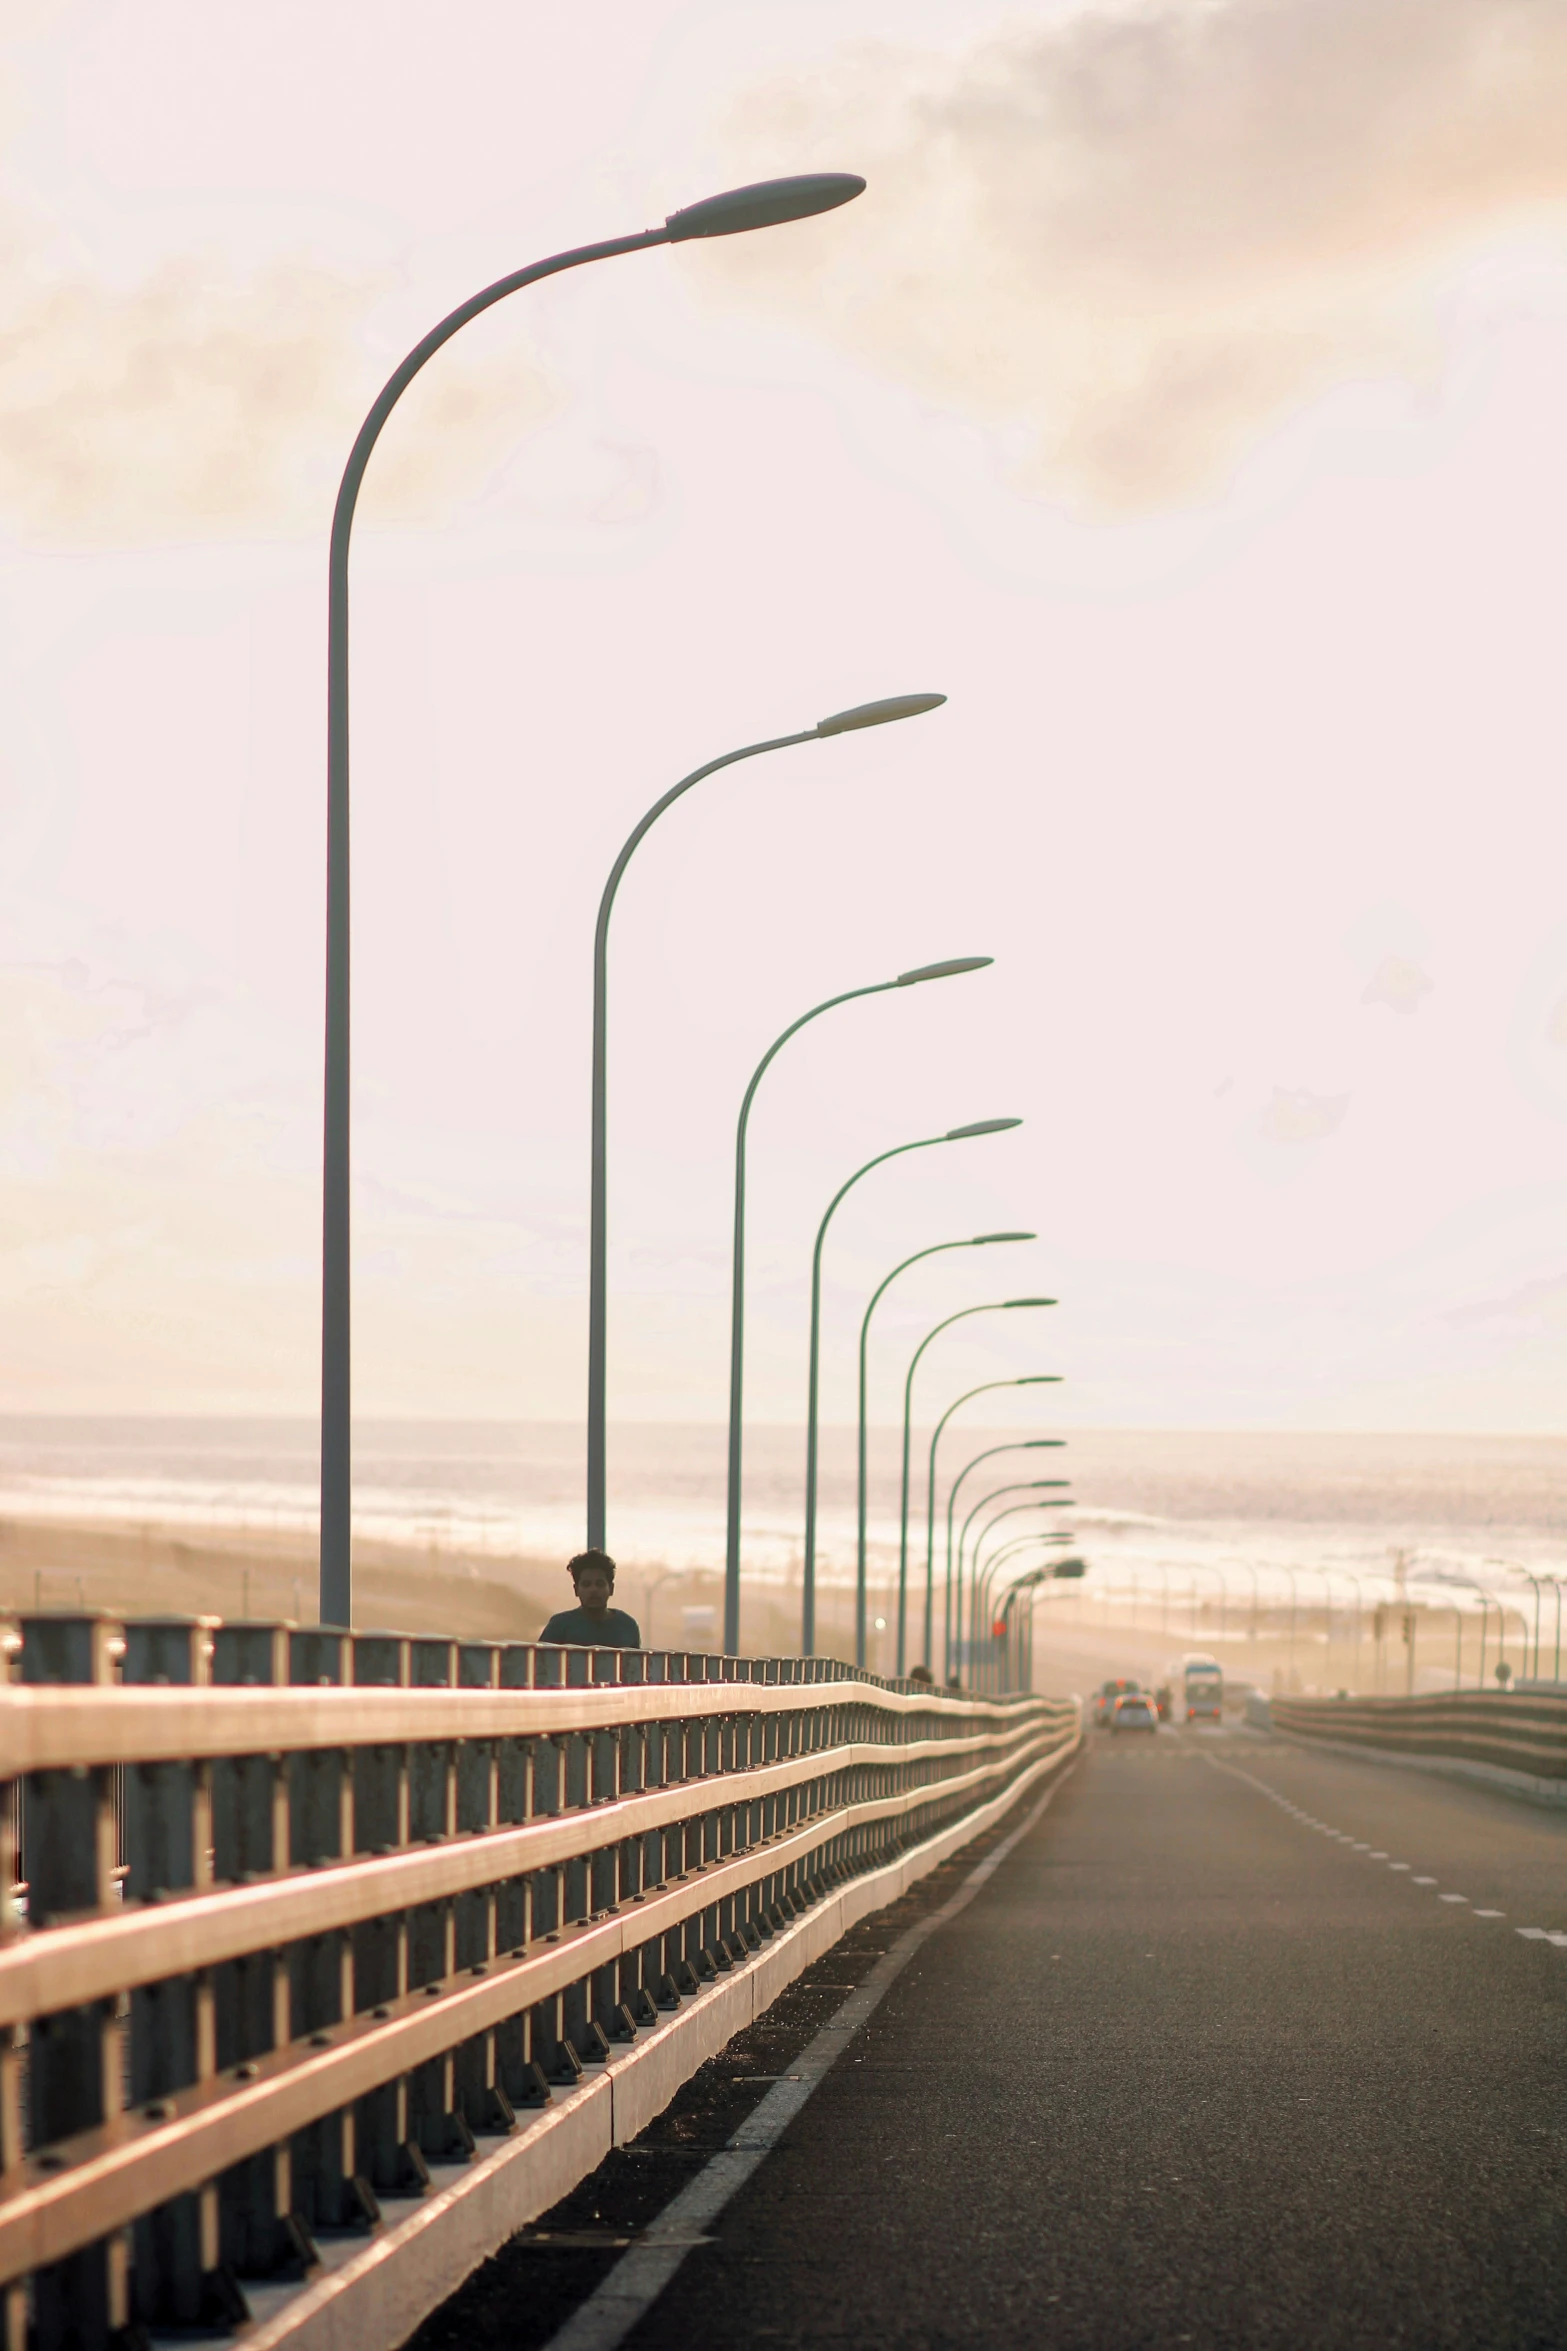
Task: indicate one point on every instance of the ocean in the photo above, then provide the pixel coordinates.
(1248, 1511)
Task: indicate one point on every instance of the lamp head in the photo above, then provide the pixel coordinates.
(1070, 1567)
(1042, 1379)
(1011, 1302)
(879, 714)
(764, 204)
(944, 971)
(983, 1240)
(982, 1126)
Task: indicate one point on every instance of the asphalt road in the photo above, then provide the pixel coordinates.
(1190, 2069)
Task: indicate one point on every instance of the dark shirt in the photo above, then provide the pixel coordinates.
(575, 1629)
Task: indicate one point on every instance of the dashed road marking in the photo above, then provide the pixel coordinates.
(1376, 1853)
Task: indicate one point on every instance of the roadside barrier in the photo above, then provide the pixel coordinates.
(1521, 1734)
(299, 1920)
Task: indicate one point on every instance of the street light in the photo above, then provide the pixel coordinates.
(1019, 1622)
(994, 1306)
(980, 1241)
(983, 1126)
(906, 979)
(976, 1587)
(866, 714)
(763, 205)
(984, 1605)
(1016, 1486)
(1035, 1379)
(1018, 1444)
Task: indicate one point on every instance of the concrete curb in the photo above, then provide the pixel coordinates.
(375, 2291)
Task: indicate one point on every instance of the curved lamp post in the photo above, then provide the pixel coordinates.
(1033, 1542)
(1018, 1445)
(996, 1494)
(866, 714)
(1031, 1379)
(1023, 1621)
(986, 1613)
(905, 979)
(983, 1126)
(980, 1241)
(1020, 1626)
(762, 206)
(981, 1571)
(993, 1306)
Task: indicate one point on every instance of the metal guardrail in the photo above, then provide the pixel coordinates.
(297, 1913)
(1522, 1731)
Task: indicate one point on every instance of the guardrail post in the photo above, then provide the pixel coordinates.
(75, 2069)
(515, 2076)
(381, 1775)
(260, 2235)
(478, 2094)
(328, 2187)
(435, 2123)
(549, 2046)
(178, 2274)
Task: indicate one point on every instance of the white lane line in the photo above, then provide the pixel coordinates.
(604, 2320)
(1530, 1934)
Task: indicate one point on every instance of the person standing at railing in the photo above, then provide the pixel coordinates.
(593, 1624)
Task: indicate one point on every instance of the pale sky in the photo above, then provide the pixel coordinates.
(1184, 399)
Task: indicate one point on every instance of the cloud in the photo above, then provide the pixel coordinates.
(211, 399)
(1143, 236)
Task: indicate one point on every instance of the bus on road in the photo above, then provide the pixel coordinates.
(1195, 1683)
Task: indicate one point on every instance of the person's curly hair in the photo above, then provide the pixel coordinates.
(574, 1567)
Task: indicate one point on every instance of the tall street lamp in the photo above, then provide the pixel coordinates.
(1018, 1445)
(983, 1126)
(997, 1494)
(906, 979)
(761, 206)
(866, 714)
(1020, 1621)
(1019, 1486)
(993, 1306)
(977, 1567)
(1035, 1379)
(979, 1241)
(983, 1577)
(1021, 1543)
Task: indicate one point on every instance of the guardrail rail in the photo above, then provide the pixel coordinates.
(1521, 1733)
(297, 1917)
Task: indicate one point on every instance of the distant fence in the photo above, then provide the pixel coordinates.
(1520, 1732)
(297, 1916)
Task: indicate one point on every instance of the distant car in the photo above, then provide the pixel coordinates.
(1134, 1711)
(1106, 1695)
